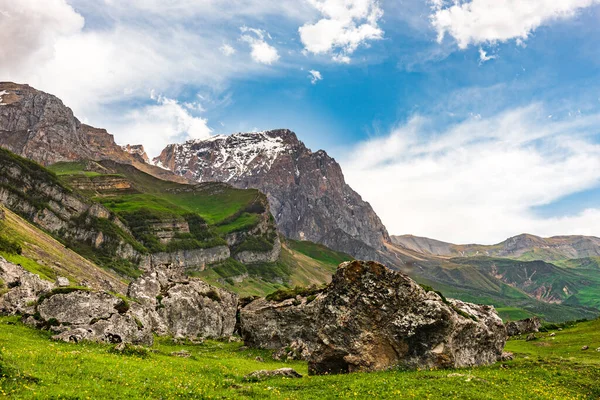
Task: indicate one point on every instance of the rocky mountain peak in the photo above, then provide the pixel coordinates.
(39, 126)
(138, 151)
(307, 191)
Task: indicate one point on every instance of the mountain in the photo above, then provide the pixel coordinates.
(522, 247)
(38, 126)
(307, 191)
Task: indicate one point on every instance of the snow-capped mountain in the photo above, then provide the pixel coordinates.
(307, 191)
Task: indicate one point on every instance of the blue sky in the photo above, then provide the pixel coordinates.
(466, 121)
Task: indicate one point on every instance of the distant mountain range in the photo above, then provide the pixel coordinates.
(522, 247)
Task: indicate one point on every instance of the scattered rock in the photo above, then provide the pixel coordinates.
(61, 281)
(585, 348)
(259, 359)
(181, 353)
(598, 349)
(531, 337)
(507, 356)
(281, 372)
(524, 326)
(371, 318)
(552, 334)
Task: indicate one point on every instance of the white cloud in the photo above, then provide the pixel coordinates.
(157, 125)
(346, 25)
(261, 51)
(227, 50)
(489, 21)
(314, 76)
(29, 32)
(483, 56)
(478, 181)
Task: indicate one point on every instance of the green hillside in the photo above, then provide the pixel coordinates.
(34, 367)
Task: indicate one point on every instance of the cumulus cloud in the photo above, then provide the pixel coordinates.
(314, 76)
(479, 180)
(261, 51)
(488, 21)
(28, 32)
(345, 25)
(164, 122)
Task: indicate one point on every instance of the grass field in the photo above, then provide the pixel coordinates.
(35, 367)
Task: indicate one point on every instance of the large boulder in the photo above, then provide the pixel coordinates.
(185, 308)
(371, 318)
(76, 315)
(19, 289)
(524, 326)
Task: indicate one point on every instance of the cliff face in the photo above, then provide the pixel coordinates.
(40, 127)
(307, 191)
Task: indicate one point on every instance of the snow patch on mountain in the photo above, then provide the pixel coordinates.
(238, 154)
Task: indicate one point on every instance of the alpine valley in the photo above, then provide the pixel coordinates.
(159, 269)
(248, 212)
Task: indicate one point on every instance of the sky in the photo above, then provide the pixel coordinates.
(464, 120)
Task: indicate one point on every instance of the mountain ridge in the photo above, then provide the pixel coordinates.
(307, 190)
(524, 246)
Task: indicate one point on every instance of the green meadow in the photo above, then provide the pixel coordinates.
(33, 366)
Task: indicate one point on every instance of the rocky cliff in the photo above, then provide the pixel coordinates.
(307, 191)
(38, 126)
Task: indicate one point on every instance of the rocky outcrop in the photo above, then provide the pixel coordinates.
(19, 289)
(185, 308)
(371, 318)
(138, 151)
(183, 259)
(38, 126)
(77, 315)
(254, 257)
(307, 191)
(35, 194)
(164, 303)
(524, 326)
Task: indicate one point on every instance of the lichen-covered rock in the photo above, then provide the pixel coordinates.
(20, 289)
(524, 326)
(371, 318)
(185, 308)
(266, 373)
(95, 316)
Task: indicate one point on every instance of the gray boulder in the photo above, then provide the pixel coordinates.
(20, 288)
(524, 326)
(265, 373)
(371, 318)
(95, 316)
(185, 308)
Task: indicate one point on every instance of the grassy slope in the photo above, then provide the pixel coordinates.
(55, 259)
(300, 264)
(216, 203)
(38, 368)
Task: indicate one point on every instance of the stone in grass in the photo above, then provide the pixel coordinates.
(507, 356)
(264, 373)
(531, 337)
(598, 349)
(585, 348)
(181, 353)
(61, 281)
